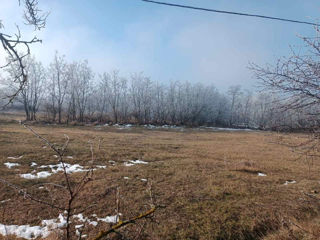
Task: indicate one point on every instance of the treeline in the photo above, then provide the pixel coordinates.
(70, 92)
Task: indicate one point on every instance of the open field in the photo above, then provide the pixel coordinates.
(207, 183)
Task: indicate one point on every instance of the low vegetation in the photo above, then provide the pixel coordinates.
(259, 190)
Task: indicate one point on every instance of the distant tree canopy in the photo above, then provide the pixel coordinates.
(16, 48)
(70, 92)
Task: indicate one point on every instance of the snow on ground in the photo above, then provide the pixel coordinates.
(11, 165)
(101, 166)
(33, 164)
(70, 168)
(262, 174)
(290, 182)
(43, 174)
(144, 180)
(15, 158)
(47, 226)
(55, 168)
(32, 232)
(134, 162)
(109, 219)
(181, 128)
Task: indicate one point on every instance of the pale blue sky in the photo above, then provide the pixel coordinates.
(170, 43)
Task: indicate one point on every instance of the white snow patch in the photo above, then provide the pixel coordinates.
(33, 232)
(144, 180)
(11, 165)
(55, 168)
(138, 162)
(47, 226)
(226, 129)
(4, 201)
(93, 223)
(33, 164)
(290, 182)
(70, 168)
(128, 164)
(78, 226)
(69, 157)
(43, 174)
(134, 162)
(101, 166)
(81, 218)
(127, 178)
(55, 156)
(262, 174)
(109, 219)
(15, 158)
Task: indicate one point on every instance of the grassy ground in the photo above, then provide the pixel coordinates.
(207, 182)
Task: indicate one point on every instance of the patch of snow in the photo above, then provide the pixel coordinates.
(93, 223)
(33, 164)
(80, 217)
(4, 201)
(78, 226)
(290, 182)
(15, 158)
(134, 162)
(262, 174)
(144, 180)
(150, 126)
(227, 129)
(101, 166)
(55, 168)
(33, 232)
(55, 156)
(138, 162)
(128, 164)
(11, 165)
(83, 219)
(112, 162)
(69, 157)
(43, 174)
(109, 219)
(127, 178)
(70, 168)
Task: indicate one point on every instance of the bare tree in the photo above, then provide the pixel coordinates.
(296, 81)
(58, 74)
(33, 90)
(234, 92)
(11, 43)
(114, 85)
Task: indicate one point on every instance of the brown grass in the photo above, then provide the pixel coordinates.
(207, 181)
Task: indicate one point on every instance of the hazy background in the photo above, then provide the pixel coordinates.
(168, 43)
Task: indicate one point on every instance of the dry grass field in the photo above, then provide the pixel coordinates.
(207, 183)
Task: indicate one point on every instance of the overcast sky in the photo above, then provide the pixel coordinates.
(168, 43)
